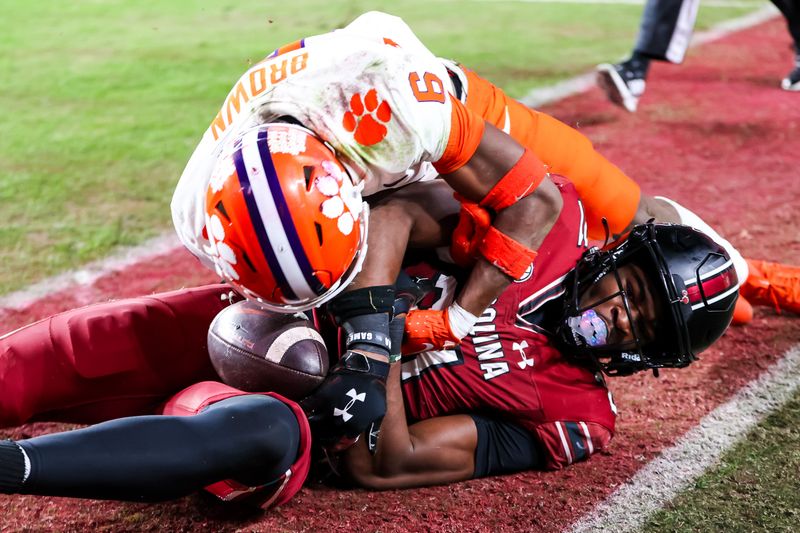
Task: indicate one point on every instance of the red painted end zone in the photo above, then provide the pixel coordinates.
(715, 134)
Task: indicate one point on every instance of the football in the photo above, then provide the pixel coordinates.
(257, 350)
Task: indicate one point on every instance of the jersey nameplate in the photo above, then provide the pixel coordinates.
(257, 80)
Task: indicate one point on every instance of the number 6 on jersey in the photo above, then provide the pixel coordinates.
(428, 89)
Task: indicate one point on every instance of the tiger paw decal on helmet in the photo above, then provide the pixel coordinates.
(367, 117)
(344, 202)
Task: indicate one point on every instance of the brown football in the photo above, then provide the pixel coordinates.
(257, 350)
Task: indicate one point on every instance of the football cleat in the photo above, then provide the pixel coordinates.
(773, 284)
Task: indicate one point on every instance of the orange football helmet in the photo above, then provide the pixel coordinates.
(285, 221)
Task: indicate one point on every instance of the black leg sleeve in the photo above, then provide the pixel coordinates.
(253, 439)
(791, 12)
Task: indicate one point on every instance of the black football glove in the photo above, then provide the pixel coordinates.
(351, 398)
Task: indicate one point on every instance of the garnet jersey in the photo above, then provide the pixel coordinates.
(506, 367)
(381, 100)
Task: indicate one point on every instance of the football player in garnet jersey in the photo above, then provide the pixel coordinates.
(524, 390)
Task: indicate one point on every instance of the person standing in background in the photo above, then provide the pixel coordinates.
(664, 35)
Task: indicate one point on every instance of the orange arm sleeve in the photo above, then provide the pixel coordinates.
(604, 189)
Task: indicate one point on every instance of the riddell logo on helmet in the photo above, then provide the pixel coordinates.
(630, 356)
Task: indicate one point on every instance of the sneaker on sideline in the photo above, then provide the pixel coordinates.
(792, 81)
(621, 84)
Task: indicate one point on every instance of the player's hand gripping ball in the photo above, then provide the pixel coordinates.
(257, 350)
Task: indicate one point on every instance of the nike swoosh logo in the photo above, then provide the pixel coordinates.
(507, 123)
(410, 173)
(392, 184)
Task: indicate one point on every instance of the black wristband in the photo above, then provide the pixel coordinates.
(12, 467)
(397, 328)
(368, 332)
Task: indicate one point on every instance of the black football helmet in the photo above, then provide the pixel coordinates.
(694, 285)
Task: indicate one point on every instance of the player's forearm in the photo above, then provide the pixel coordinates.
(528, 222)
(375, 470)
(389, 230)
(431, 452)
(394, 442)
(657, 209)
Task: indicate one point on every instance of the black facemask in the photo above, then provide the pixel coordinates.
(675, 260)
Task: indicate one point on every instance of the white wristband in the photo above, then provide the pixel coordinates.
(692, 220)
(461, 320)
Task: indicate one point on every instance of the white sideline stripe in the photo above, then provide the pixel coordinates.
(168, 242)
(87, 275)
(701, 448)
(584, 82)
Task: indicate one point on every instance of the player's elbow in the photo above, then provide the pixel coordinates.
(548, 201)
(531, 218)
(372, 480)
(375, 472)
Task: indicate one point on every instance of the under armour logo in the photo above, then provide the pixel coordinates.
(353, 397)
(520, 347)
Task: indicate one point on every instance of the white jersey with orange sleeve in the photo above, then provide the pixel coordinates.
(370, 90)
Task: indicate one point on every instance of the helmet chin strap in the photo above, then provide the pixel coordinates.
(607, 230)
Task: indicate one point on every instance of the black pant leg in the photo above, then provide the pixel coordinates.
(253, 439)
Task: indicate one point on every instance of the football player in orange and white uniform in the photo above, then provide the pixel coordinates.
(383, 104)
(381, 100)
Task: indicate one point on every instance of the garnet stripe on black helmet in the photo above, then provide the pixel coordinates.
(713, 286)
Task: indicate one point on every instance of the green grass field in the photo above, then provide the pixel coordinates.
(754, 488)
(103, 101)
